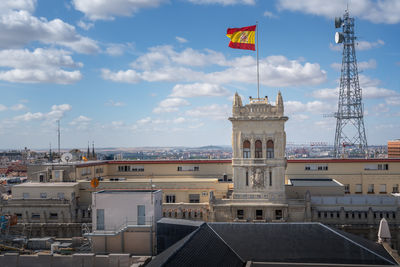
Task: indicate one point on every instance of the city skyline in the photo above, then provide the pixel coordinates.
(160, 73)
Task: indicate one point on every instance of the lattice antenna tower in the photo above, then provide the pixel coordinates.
(350, 138)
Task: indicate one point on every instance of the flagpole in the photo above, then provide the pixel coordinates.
(258, 74)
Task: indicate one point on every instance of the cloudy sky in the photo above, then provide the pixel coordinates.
(160, 72)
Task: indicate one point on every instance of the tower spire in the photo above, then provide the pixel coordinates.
(350, 138)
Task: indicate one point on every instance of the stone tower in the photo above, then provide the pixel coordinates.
(258, 143)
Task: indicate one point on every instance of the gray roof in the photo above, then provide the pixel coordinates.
(203, 247)
(314, 182)
(272, 242)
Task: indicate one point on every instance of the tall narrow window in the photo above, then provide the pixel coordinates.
(258, 147)
(246, 149)
(247, 178)
(270, 149)
(270, 178)
(100, 219)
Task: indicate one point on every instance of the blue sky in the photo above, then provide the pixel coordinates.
(131, 73)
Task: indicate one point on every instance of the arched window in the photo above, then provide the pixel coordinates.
(258, 147)
(270, 149)
(246, 149)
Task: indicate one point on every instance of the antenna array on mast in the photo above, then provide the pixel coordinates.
(350, 138)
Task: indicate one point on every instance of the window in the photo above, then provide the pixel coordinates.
(259, 214)
(41, 178)
(100, 219)
(314, 167)
(99, 170)
(43, 195)
(278, 214)
(246, 149)
(60, 195)
(53, 216)
(374, 167)
(270, 178)
(204, 194)
(240, 214)
(395, 188)
(347, 189)
(358, 188)
(370, 189)
(247, 178)
(85, 171)
(270, 149)
(170, 199)
(258, 147)
(124, 168)
(188, 168)
(136, 168)
(194, 198)
(141, 215)
(382, 188)
(35, 216)
(25, 195)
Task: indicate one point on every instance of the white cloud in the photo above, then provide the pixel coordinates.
(3, 107)
(199, 89)
(165, 64)
(30, 116)
(57, 112)
(370, 90)
(107, 10)
(85, 25)
(299, 117)
(179, 120)
(170, 105)
(383, 11)
(115, 103)
(81, 122)
(362, 65)
(269, 14)
(119, 49)
(214, 112)
(275, 71)
(181, 40)
(40, 65)
(393, 101)
(365, 45)
(335, 47)
(19, 28)
(18, 107)
(223, 2)
(315, 107)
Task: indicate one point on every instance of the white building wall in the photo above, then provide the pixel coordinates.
(121, 208)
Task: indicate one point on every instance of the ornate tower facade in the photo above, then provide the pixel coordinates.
(258, 143)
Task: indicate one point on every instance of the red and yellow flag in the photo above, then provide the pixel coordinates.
(242, 38)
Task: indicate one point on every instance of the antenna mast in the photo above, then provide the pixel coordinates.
(350, 138)
(58, 133)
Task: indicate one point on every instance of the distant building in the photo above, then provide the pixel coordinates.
(394, 149)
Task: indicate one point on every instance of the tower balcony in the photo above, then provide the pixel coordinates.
(252, 162)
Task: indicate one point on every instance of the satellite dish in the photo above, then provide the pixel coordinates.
(339, 37)
(338, 22)
(66, 157)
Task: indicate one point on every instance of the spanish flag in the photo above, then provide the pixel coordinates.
(242, 38)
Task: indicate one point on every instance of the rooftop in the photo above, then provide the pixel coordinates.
(314, 182)
(307, 243)
(60, 184)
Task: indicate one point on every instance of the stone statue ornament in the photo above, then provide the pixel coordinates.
(257, 178)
